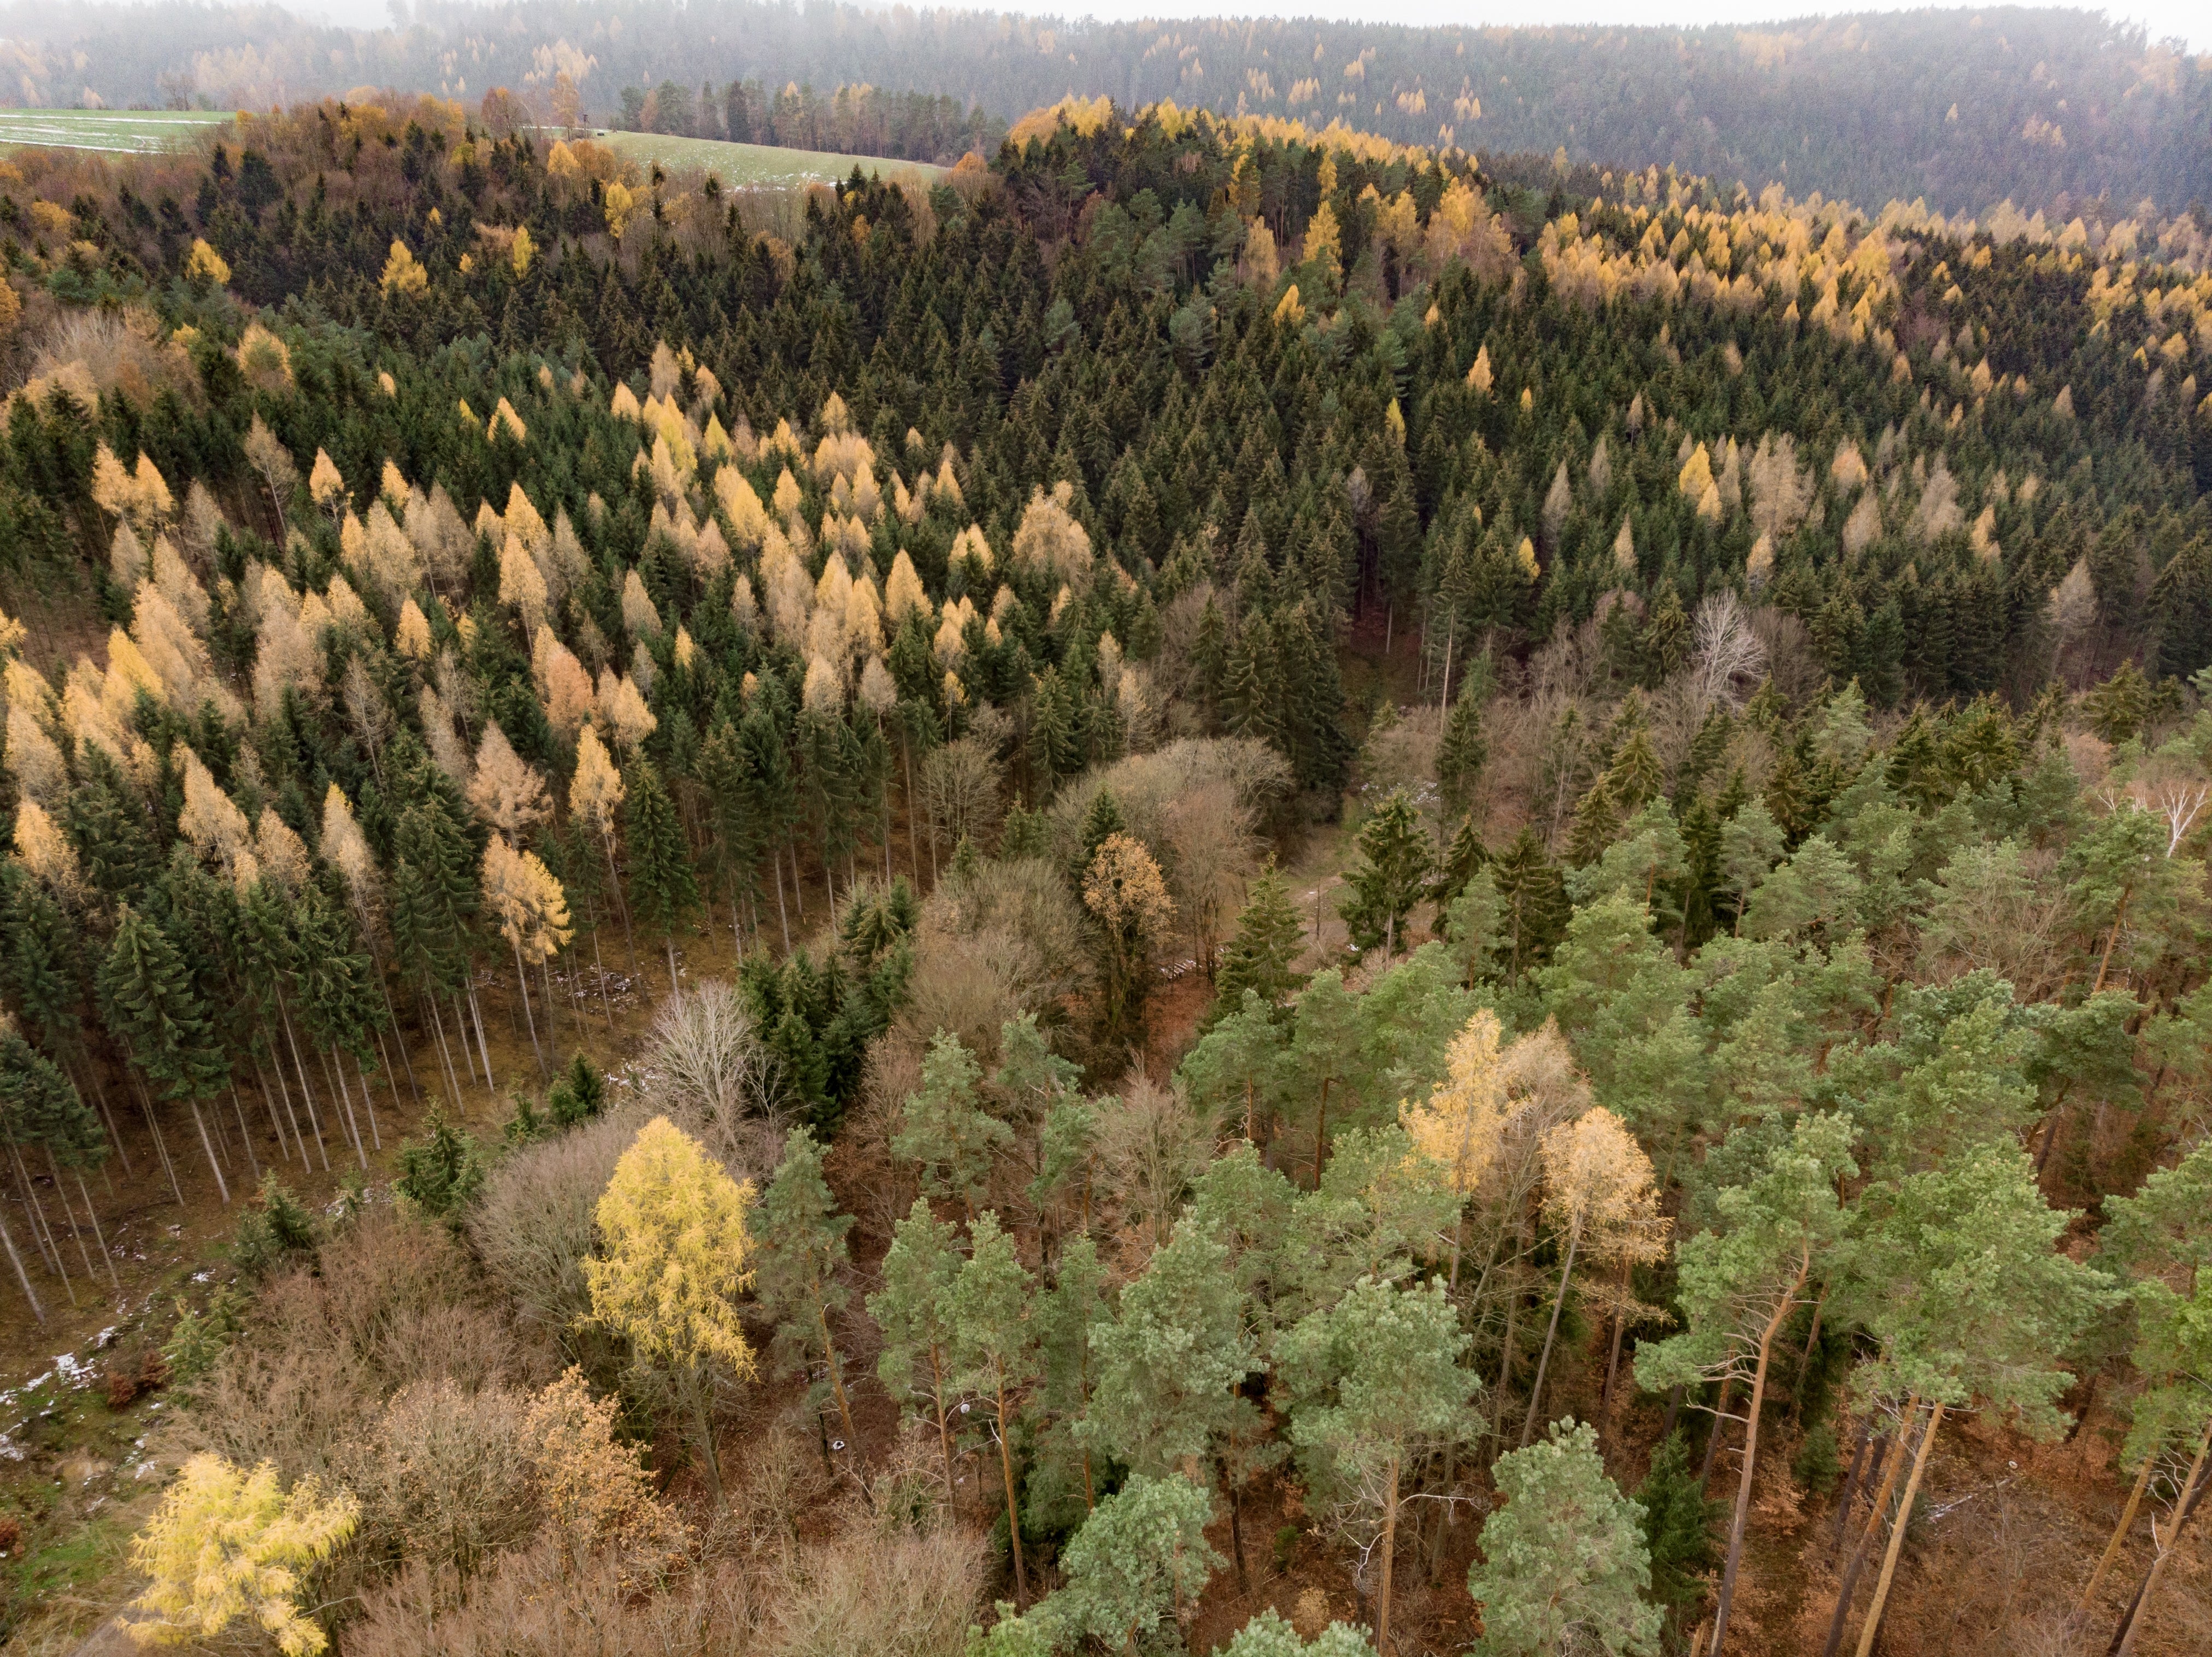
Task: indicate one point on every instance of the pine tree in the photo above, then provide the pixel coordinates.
(1392, 876)
(662, 887)
(1462, 753)
(802, 1259)
(1269, 936)
(150, 1006)
(913, 1313)
(993, 1313)
(1564, 1562)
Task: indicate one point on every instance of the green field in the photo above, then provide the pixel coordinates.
(759, 166)
(135, 131)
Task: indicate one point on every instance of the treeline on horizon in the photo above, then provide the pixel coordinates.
(2051, 109)
(1754, 657)
(855, 120)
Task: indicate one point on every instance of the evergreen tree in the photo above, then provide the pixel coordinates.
(1392, 876)
(802, 1259)
(147, 1004)
(1269, 935)
(1565, 1565)
(662, 887)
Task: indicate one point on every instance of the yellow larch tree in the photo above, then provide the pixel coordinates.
(226, 1546)
(1459, 1126)
(505, 790)
(674, 1224)
(525, 898)
(1599, 1194)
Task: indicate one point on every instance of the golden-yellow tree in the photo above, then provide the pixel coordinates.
(1460, 1125)
(533, 912)
(226, 1546)
(1124, 889)
(673, 1226)
(1598, 1193)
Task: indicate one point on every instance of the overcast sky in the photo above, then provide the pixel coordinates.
(2190, 19)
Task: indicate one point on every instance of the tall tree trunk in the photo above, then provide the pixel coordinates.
(468, 1053)
(1871, 1529)
(2119, 919)
(1389, 1552)
(42, 1230)
(22, 1277)
(475, 1012)
(1897, 1533)
(1750, 1459)
(1713, 1438)
(836, 1373)
(153, 1132)
(334, 1067)
(207, 1145)
(361, 1072)
(2119, 1534)
(1013, 1509)
(782, 915)
(69, 1216)
(1849, 1495)
(306, 1092)
(252, 1162)
(1613, 1360)
(384, 989)
(522, 982)
(2193, 1492)
(700, 1392)
(269, 1103)
(1558, 1301)
(100, 1093)
(97, 1236)
(944, 1428)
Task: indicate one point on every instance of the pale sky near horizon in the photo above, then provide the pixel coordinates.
(2189, 20)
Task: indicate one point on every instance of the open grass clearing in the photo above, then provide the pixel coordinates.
(120, 131)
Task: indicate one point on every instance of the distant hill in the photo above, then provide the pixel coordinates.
(2046, 108)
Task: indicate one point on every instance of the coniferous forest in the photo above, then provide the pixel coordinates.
(1227, 889)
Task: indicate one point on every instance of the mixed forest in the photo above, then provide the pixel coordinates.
(2049, 108)
(1229, 889)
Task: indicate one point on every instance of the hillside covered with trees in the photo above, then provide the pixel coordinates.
(2053, 110)
(1231, 889)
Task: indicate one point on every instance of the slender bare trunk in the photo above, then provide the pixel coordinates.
(2119, 1534)
(214, 1167)
(22, 1277)
(522, 982)
(252, 1162)
(1750, 1459)
(69, 1216)
(1013, 1509)
(1389, 1553)
(2193, 1492)
(97, 1236)
(1897, 1533)
(1558, 1301)
(1868, 1531)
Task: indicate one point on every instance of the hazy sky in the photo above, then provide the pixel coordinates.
(2190, 19)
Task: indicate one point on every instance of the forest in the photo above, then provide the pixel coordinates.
(1231, 889)
(2053, 110)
